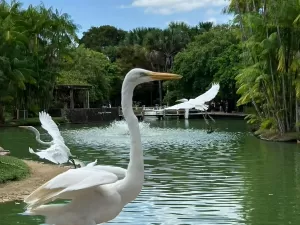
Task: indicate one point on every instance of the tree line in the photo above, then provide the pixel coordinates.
(255, 59)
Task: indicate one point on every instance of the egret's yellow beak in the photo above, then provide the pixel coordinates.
(23, 127)
(164, 76)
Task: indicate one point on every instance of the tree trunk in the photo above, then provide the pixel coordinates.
(297, 116)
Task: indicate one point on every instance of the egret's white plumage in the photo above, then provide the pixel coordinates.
(118, 171)
(198, 102)
(97, 193)
(58, 152)
(50, 126)
(82, 164)
(52, 154)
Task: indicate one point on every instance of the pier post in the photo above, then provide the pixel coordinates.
(71, 98)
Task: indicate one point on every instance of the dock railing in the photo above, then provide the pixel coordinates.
(160, 112)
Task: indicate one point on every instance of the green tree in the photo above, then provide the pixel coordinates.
(90, 67)
(205, 60)
(97, 38)
(269, 77)
(33, 42)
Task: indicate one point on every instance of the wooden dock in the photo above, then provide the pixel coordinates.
(161, 113)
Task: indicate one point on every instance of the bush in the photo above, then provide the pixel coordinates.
(12, 169)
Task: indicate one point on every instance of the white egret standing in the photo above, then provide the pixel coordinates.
(58, 152)
(97, 196)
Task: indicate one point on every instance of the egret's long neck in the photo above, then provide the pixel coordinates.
(38, 137)
(132, 184)
(136, 153)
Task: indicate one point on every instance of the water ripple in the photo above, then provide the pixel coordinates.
(189, 173)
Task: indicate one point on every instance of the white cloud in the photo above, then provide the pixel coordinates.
(125, 6)
(167, 7)
(212, 12)
(212, 19)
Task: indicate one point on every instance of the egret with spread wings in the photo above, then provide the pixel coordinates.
(198, 102)
(98, 193)
(58, 152)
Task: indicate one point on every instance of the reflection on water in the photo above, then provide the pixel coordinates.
(226, 177)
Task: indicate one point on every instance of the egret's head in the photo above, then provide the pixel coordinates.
(139, 76)
(28, 128)
(182, 100)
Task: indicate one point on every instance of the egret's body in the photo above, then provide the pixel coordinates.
(58, 152)
(98, 193)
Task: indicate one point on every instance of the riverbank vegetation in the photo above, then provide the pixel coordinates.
(39, 174)
(12, 169)
(255, 58)
(34, 121)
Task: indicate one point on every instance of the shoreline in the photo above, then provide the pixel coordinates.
(31, 122)
(276, 137)
(40, 173)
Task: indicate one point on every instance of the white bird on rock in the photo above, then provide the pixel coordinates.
(58, 152)
(98, 194)
(198, 102)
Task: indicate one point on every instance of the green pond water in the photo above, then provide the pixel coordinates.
(191, 177)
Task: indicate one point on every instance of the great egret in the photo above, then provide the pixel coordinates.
(58, 152)
(98, 195)
(198, 102)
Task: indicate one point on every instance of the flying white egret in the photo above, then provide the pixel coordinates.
(98, 195)
(58, 152)
(198, 102)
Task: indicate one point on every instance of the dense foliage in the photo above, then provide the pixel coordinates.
(256, 60)
(12, 169)
(269, 74)
(33, 43)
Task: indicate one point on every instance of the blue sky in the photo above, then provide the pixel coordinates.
(129, 14)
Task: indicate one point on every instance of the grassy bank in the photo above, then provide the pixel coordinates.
(275, 136)
(30, 122)
(39, 174)
(12, 168)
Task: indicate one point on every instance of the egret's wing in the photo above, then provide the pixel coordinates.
(79, 162)
(69, 182)
(43, 155)
(201, 107)
(53, 154)
(91, 164)
(182, 100)
(50, 126)
(208, 95)
(184, 105)
(118, 171)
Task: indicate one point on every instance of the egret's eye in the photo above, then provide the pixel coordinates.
(143, 74)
